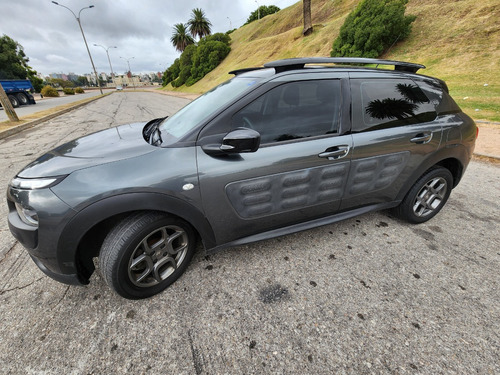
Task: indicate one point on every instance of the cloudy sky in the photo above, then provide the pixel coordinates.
(139, 28)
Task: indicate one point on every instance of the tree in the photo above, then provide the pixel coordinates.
(171, 73)
(372, 27)
(56, 82)
(180, 38)
(208, 55)
(13, 61)
(199, 25)
(261, 12)
(81, 81)
(185, 64)
(308, 28)
(197, 60)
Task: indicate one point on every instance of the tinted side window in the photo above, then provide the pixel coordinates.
(440, 99)
(386, 103)
(293, 110)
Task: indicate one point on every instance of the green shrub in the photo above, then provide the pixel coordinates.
(217, 37)
(206, 58)
(185, 63)
(49, 91)
(372, 27)
(68, 91)
(197, 60)
(262, 11)
(171, 73)
(79, 90)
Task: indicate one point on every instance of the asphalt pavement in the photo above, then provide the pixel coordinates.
(369, 295)
(43, 104)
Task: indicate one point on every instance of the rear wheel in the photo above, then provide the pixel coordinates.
(426, 198)
(145, 253)
(14, 101)
(23, 99)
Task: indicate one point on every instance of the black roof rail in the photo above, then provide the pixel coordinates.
(299, 63)
(244, 70)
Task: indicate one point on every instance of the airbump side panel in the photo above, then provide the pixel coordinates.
(375, 173)
(283, 192)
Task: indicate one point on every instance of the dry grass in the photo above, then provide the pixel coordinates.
(458, 41)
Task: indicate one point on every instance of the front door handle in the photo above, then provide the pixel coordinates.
(336, 152)
(422, 138)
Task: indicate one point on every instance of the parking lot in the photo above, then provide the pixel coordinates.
(367, 295)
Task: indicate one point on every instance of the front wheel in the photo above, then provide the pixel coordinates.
(145, 253)
(426, 198)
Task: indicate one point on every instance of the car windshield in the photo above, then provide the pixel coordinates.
(175, 127)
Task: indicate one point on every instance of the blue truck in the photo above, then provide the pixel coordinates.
(19, 91)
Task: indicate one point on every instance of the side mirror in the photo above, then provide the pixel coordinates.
(235, 142)
(241, 140)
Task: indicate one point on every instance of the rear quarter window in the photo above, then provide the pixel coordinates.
(387, 103)
(439, 97)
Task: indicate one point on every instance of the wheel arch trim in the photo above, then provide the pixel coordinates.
(444, 158)
(98, 212)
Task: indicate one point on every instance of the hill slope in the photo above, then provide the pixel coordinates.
(458, 41)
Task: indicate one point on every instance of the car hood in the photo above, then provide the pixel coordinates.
(106, 146)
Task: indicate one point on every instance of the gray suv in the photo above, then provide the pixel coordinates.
(290, 146)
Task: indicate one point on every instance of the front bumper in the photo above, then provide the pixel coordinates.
(42, 241)
(71, 279)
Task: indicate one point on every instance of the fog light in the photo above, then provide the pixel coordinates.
(27, 215)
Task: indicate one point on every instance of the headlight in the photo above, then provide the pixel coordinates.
(27, 215)
(34, 183)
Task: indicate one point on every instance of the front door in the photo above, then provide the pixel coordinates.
(298, 173)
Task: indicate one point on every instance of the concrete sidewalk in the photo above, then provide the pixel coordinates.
(488, 141)
(487, 144)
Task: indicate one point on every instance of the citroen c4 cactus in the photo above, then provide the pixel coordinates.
(275, 150)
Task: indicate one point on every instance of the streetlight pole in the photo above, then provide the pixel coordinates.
(230, 25)
(128, 62)
(85, 40)
(109, 60)
(258, 9)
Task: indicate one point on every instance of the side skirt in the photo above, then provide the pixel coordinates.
(304, 226)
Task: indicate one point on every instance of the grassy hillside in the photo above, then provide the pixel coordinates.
(458, 41)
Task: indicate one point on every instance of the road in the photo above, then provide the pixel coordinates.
(367, 295)
(48, 103)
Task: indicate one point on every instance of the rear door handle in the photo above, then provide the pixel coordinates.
(422, 138)
(336, 152)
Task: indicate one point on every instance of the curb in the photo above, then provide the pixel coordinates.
(486, 156)
(19, 128)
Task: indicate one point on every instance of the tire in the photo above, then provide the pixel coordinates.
(135, 260)
(426, 197)
(14, 101)
(23, 99)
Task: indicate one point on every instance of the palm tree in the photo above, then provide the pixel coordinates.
(199, 25)
(180, 38)
(308, 27)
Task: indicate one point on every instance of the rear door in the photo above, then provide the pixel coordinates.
(393, 131)
(298, 173)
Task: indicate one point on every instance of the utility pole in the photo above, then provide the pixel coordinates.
(258, 10)
(128, 62)
(7, 106)
(84, 39)
(109, 60)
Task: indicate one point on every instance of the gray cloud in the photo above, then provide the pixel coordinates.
(141, 29)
